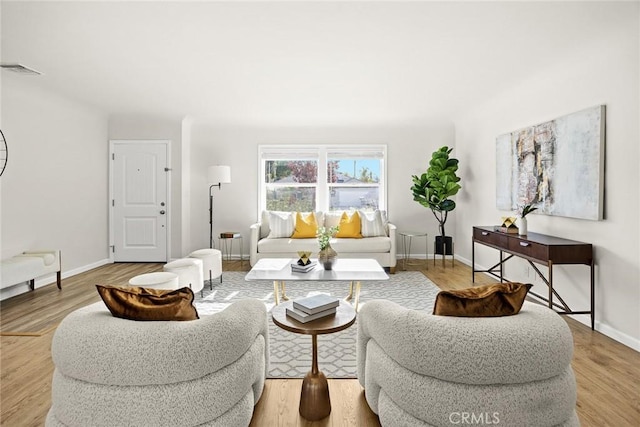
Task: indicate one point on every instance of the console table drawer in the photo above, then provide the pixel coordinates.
(529, 249)
(490, 237)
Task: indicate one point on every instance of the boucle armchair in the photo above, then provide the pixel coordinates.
(115, 372)
(424, 370)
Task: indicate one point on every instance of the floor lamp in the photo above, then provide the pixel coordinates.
(217, 175)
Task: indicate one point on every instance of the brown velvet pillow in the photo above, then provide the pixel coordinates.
(499, 299)
(135, 303)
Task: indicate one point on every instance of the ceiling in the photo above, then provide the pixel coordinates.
(320, 63)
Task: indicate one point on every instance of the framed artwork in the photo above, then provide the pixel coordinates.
(558, 166)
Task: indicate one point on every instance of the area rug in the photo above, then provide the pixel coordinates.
(291, 353)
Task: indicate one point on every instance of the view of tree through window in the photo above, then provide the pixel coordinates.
(346, 184)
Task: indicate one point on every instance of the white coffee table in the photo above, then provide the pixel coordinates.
(350, 270)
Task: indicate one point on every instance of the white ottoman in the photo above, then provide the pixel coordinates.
(159, 280)
(189, 271)
(211, 263)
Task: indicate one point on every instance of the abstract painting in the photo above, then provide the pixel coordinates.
(557, 166)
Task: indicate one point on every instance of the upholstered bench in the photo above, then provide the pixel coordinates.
(211, 263)
(157, 280)
(28, 266)
(189, 271)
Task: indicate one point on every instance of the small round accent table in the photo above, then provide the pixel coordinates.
(315, 403)
(407, 237)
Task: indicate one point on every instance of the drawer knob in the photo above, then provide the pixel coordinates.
(485, 233)
(525, 244)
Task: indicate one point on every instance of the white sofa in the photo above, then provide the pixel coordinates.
(28, 266)
(424, 370)
(117, 372)
(382, 248)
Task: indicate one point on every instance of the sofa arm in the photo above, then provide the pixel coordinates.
(394, 245)
(254, 237)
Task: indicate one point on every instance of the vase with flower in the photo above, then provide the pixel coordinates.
(327, 256)
(522, 221)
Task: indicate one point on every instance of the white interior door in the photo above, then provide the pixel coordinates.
(139, 203)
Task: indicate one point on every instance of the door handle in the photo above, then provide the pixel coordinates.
(485, 233)
(525, 244)
(161, 212)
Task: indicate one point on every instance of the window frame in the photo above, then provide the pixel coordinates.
(321, 153)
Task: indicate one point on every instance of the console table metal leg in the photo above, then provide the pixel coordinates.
(473, 261)
(593, 312)
(550, 266)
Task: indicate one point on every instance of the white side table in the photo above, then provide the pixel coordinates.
(407, 237)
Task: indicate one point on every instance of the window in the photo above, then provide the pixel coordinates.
(322, 178)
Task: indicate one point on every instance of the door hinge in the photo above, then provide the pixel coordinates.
(167, 169)
(113, 156)
(113, 249)
(113, 202)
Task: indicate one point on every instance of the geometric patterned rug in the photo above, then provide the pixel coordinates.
(291, 353)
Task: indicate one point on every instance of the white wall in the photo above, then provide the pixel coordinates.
(603, 73)
(55, 186)
(135, 126)
(409, 148)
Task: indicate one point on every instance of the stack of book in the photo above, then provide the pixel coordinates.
(230, 235)
(311, 308)
(299, 268)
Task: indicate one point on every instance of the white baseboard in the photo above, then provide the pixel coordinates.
(616, 335)
(48, 280)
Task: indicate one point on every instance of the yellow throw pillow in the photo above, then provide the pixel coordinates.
(135, 303)
(499, 299)
(350, 227)
(305, 227)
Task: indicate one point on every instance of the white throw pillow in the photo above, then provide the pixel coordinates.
(372, 224)
(281, 224)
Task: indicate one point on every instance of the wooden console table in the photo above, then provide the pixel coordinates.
(541, 249)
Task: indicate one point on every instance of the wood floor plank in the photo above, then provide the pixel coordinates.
(607, 372)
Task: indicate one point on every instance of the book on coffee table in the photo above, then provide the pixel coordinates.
(316, 303)
(303, 317)
(303, 268)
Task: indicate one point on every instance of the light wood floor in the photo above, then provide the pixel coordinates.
(607, 373)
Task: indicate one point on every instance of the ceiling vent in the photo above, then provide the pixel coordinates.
(19, 68)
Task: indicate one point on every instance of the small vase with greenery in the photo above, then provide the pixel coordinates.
(327, 255)
(523, 211)
(434, 189)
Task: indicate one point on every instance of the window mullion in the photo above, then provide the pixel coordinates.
(322, 190)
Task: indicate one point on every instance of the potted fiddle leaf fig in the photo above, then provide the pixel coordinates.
(434, 189)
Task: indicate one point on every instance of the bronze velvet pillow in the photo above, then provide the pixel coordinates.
(499, 299)
(135, 303)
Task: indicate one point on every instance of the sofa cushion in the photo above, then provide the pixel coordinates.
(349, 226)
(281, 224)
(371, 224)
(332, 219)
(264, 221)
(497, 299)
(305, 226)
(282, 246)
(135, 303)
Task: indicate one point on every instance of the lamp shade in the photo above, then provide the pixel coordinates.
(219, 174)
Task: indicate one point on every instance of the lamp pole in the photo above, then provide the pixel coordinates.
(219, 185)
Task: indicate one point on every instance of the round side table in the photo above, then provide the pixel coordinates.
(407, 237)
(315, 403)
